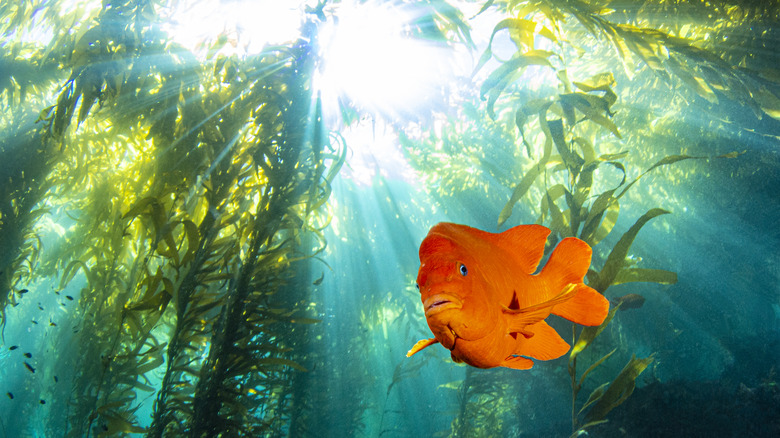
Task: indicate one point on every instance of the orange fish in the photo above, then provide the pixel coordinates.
(483, 302)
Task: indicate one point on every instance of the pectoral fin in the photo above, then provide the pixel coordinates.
(519, 319)
(420, 345)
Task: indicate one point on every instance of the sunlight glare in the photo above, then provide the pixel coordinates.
(248, 25)
(369, 60)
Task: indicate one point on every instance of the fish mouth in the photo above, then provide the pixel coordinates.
(441, 302)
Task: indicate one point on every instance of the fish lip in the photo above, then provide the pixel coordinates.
(441, 302)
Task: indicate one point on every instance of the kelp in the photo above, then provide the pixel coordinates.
(701, 70)
(485, 405)
(186, 232)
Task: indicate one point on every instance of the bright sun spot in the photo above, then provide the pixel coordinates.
(368, 59)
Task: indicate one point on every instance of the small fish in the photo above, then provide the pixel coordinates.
(29, 367)
(629, 301)
(34, 321)
(318, 281)
(28, 355)
(10, 395)
(13, 347)
(483, 302)
(53, 324)
(23, 291)
(56, 379)
(70, 298)
(43, 402)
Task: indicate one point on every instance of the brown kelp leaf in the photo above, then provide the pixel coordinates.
(620, 388)
(633, 275)
(616, 259)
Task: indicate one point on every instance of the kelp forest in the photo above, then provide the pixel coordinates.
(206, 238)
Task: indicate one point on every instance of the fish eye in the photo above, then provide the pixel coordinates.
(417, 286)
(463, 270)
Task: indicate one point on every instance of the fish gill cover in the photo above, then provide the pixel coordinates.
(200, 235)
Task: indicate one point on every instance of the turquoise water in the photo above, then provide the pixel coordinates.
(212, 232)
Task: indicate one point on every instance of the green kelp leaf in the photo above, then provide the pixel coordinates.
(572, 160)
(588, 335)
(608, 221)
(154, 363)
(139, 207)
(595, 395)
(582, 428)
(278, 361)
(616, 259)
(403, 370)
(768, 102)
(559, 223)
(71, 270)
(593, 367)
(193, 238)
(520, 190)
(485, 7)
(120, 422)
(593, 107)
(671, 159)
(598, 82)
(509, 23)
(620, 388)
(634, 275)
(602, 203)
(696, 83)
(455, 384)
(509, 71)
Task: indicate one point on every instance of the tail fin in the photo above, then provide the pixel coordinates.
(568, 264)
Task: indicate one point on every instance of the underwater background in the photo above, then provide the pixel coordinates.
(210, 213)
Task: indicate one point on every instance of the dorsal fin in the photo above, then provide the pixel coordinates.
(525, 243)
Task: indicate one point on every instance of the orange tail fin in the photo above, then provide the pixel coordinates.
(568, 264)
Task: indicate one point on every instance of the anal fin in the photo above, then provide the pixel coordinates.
(517, 363)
